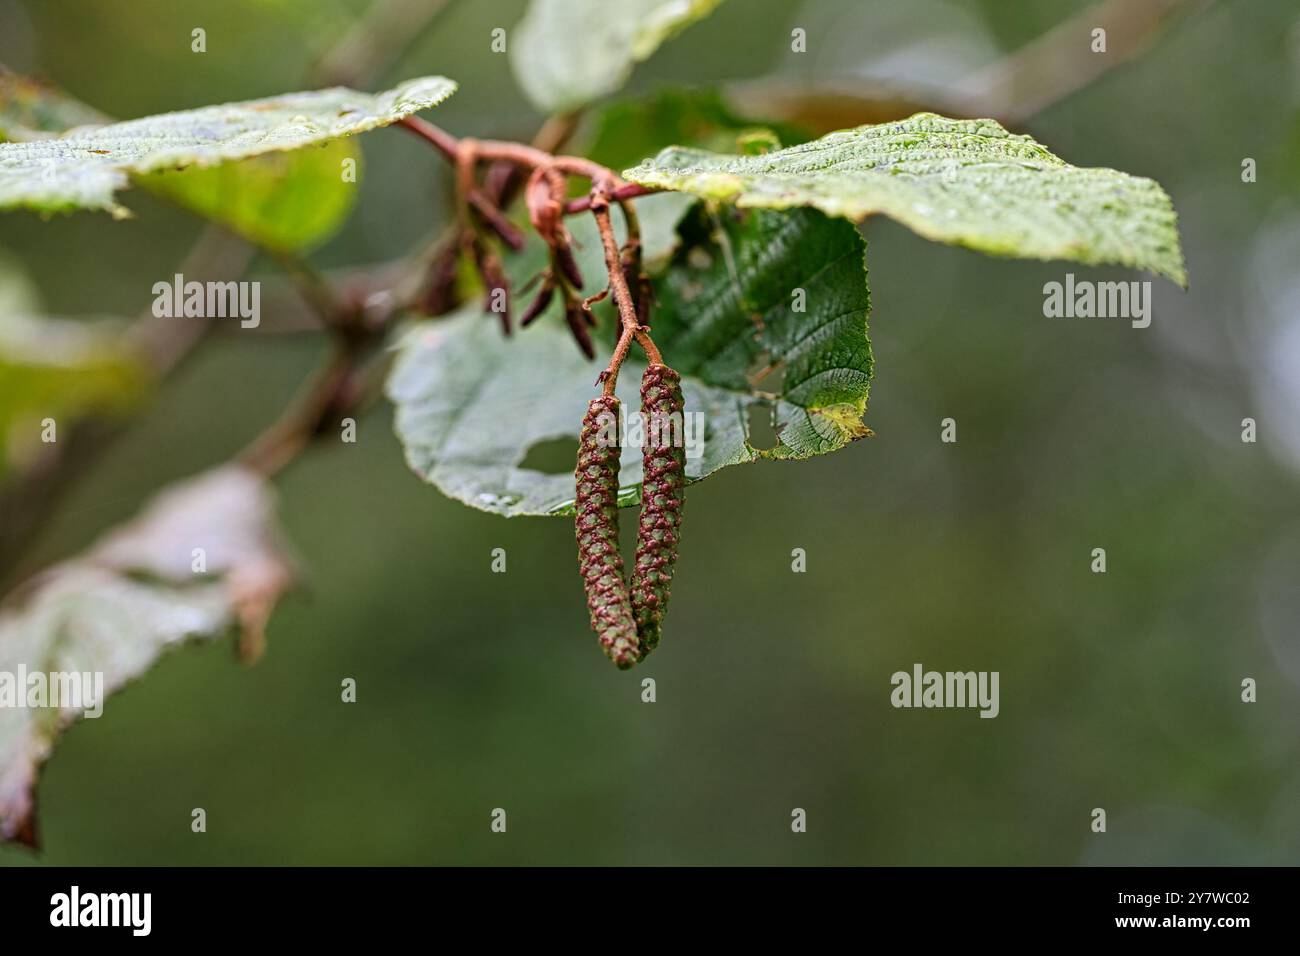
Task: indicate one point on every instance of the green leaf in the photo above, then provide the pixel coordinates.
(471, 404)
(728, 314)
(567, 53)
(55, 368)
(115, 609)
(59, 369)
(966, 182)
(85, 169)
(285, 201)
(628, 129)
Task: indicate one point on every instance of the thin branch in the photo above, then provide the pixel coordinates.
(166, 341)
(627, 311)
(443, 141)
(620, 195)
(1061, 61)
(555, 131)
(520, 154)
(1012, 90)
(307, 417)
(386, 31)
(313, 287)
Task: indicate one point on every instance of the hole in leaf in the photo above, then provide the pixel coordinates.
(555, 456)
(761, 433)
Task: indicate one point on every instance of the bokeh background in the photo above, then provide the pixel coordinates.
(480, 690)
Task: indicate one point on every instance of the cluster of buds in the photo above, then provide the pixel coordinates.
(545, 195)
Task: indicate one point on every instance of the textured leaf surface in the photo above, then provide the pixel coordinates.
(470, 404)
(966, 182)
(566, 53)
(116, 608)
(285, 200)
(85, 168)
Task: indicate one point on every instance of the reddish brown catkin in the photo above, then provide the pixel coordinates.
(599, 560)
(663, 494)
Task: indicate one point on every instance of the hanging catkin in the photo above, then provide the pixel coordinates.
(599, 559)
(663, 493)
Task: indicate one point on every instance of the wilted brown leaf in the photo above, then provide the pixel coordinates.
(203, 558)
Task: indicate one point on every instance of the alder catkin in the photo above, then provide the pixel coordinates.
(599, 559)
(663, 493)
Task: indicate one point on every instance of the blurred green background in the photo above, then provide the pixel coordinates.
(479, 690)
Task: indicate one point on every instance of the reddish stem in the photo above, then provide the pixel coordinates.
(621, 194)
(492, 150)
(444, 141)
(627, 312)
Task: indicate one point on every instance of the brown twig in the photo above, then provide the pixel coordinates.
(346, 382)
(518, 154)
(1061, 61)
(627, 311)
(374, 42)
(503, 180)
(315, 291)
(620, 195)
(1012, 90)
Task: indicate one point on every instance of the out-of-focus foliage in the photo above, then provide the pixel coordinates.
(55, 370)
(282, 200)
(32, 110)
(630, 130)
(84, 169)
(567, 53)
(203, 559)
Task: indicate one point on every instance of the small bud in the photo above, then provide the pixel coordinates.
(538, 305)
(576, 317)
(567, 264)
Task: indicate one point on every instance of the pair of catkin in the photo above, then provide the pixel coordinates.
(628, 620)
